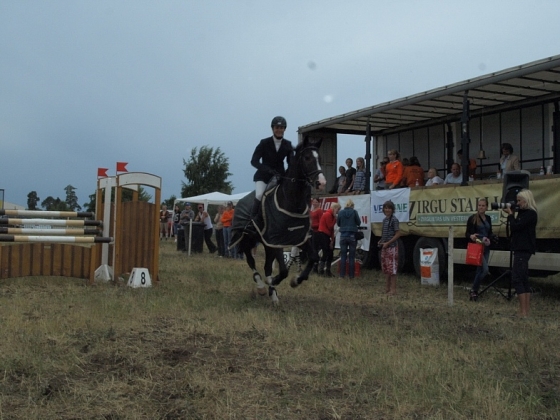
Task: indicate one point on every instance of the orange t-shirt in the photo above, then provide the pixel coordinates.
(393, 172)
(413, 174)
(227, 217)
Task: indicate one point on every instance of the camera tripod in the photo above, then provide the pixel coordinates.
(505, 274)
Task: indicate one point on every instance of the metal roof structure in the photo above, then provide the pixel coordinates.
(525, 85)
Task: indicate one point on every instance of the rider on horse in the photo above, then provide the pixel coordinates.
(268, 158)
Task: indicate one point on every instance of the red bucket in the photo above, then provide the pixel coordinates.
(357, 268)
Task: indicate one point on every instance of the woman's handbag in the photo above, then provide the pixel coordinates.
(359, 235)
(475, 253)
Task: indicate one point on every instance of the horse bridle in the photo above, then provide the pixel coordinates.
(308, 177)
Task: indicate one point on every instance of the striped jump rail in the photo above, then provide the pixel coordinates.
(39, 213)
(50, 243)
(45, 235)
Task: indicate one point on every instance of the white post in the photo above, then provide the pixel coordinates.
(109, 183)
(105, 272)
(450, 267)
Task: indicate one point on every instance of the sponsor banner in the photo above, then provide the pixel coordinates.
(400, 197)
(362, 204)
(431, 210)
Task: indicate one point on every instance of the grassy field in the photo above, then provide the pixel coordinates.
(202, 345)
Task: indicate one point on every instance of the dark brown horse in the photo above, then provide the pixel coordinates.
(285, 221)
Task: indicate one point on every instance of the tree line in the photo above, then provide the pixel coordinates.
(206, 171)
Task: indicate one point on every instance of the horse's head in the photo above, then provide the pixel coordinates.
(307, 165)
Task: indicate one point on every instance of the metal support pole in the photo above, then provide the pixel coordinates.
(556, 139)
(465, 140)
(368, 159)
(449, 147)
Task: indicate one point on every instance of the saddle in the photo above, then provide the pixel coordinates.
(280, 228)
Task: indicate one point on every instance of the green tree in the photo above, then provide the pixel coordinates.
(72, 198)
(54, 204)
(90, 206)
(207, 171)
(32, 200)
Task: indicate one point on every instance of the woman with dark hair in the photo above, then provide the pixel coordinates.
(219, 230)
(338, 187)
(390, 233)
(413, 175)
(479, 229)
(523, 245)
(508, 161)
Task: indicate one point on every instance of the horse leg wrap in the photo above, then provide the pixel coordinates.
(290, 262)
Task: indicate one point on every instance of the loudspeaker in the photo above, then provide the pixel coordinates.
(514, 181)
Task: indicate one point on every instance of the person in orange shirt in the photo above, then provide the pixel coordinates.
(315, 214)
(326, 239)
(393, 170)
(413, 175)
(227, 219)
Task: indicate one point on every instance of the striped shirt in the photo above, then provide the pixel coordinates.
(359, 181)
(390, 228)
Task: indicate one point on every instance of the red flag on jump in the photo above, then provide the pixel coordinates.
(121, 166)
(102, 172)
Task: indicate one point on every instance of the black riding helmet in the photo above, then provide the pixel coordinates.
(281, 121)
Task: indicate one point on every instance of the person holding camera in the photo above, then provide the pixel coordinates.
(479, 229)
(523, 245)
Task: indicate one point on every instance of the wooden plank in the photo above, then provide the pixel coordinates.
(66, 262)
(26, 260)
(56, 259)
(37, 262)
(47, 268)
(3, 262)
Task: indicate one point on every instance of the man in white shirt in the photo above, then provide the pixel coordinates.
(455, 177)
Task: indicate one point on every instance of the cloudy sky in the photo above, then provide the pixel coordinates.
(84, 84)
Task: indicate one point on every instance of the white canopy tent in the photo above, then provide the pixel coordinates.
(213, 198)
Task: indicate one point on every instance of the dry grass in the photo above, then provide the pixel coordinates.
(201, 345)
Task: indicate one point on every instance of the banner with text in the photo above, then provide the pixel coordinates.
(361, 205)
(400, 197)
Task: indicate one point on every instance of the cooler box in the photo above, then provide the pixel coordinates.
(429, 266)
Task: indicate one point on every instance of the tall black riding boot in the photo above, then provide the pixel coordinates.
(255, 216)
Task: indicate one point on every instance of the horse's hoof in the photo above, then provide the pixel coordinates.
(273, 295)
(262, 291)
(294, 283)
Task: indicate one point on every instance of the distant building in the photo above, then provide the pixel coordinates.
(6, 205)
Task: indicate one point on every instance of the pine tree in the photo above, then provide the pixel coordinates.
(32, 200)
(72, 198)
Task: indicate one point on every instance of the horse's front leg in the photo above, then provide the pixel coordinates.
(261, 286)
(271, 255)
(312, 258)
(282, 268)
